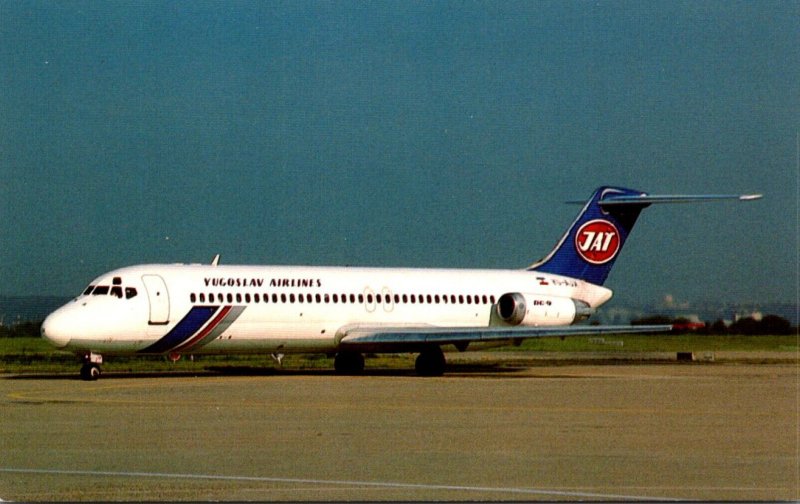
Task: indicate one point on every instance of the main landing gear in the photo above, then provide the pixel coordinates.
(348, 363)
(90, 370)
(430, 362)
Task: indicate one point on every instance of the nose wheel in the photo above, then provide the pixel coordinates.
(90, 372)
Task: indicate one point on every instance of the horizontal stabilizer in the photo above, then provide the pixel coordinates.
(646, 199)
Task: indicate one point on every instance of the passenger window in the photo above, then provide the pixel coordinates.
(230, 297)
(283, 298)
(361, 298)
(352, 298)
(130, 292)
(428, 298)
(378, 298)
(274, 298)
(336, 298)
(318, 298)
(192, 297)
(247, 297)
(491, 298)
(405, 298)
(327, 298)
(202, 298)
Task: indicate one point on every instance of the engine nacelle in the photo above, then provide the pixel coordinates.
(518, 308)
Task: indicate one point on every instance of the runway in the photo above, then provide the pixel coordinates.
(575, 432)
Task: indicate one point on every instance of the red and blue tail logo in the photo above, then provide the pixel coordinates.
(593, 242)
(597, 241)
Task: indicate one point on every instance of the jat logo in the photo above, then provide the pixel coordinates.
(597, 241)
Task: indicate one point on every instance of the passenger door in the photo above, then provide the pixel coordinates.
(159, 299)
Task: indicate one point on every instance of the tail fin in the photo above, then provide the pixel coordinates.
(592, 243)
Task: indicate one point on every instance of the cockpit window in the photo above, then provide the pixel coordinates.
(117, 290)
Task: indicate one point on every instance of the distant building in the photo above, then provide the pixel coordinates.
(755, 315)
(688, 326)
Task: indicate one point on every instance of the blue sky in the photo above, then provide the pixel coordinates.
(426, 134)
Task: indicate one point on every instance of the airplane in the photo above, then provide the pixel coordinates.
(345, 312)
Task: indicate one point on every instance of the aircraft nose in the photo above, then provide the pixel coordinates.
(55, 329)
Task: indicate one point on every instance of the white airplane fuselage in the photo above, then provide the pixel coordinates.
(291, 309)
(194, 309)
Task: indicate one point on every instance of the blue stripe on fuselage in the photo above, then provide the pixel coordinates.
(185, 329)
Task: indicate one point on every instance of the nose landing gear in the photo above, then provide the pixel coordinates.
(90, 370)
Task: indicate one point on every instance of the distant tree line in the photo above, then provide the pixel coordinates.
(21, 330)
(768, 325)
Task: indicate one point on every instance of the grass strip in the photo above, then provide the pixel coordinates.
(34, 355)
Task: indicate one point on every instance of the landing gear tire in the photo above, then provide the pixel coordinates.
(90, 372)
(348, 363)
(430, 362)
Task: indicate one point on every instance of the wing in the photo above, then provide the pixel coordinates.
(410, 338)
